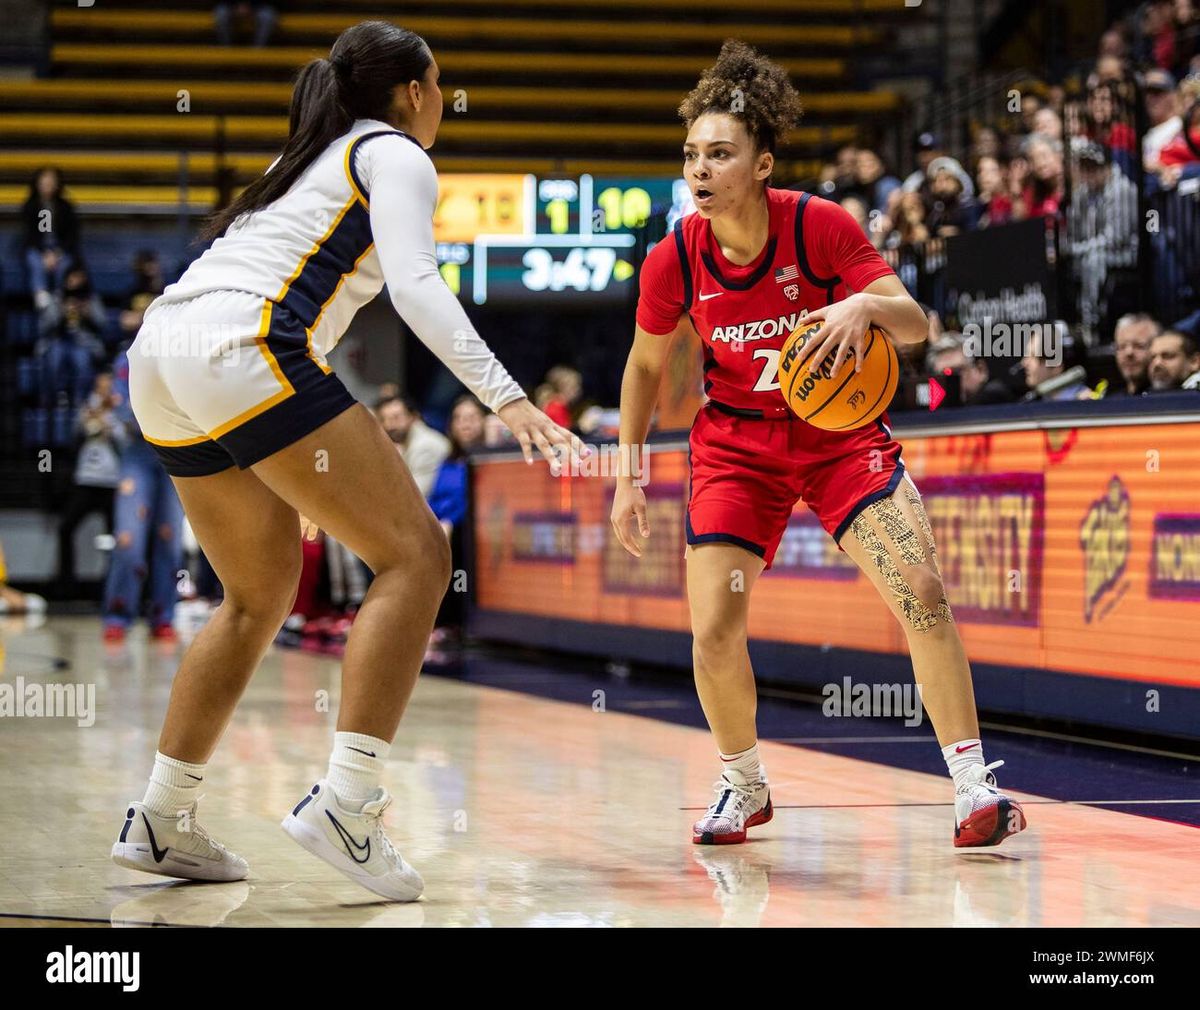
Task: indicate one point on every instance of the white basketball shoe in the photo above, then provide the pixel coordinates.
(353, 843)
(174, 846)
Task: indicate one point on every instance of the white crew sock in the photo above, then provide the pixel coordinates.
(174, 785)
(744, 766)
(961, 756)
(355, 767)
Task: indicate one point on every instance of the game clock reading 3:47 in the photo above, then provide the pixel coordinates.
(507, 238)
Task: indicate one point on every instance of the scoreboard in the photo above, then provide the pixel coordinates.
(513, 238)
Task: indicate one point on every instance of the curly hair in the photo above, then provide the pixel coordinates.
(745, 84)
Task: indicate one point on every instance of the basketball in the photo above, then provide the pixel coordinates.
(848, 400)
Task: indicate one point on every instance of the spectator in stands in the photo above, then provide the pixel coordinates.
(909, 225)
(995, 203)
(148, 284)
(950, 204)
(567, 385)
(948, 357)
(926, 147)
(1132, 338)
(448, 501)
(1048, 123)
(874, 179)
(1109, 122)
(840, 178)
(1042, 195)
(1112, 43)
(988, 144)
(97, 471)
(1177, 42)
(78, 285)
(1031, 104)
(1162, 110)
(1179, 157)
(1040, 367)
(50, 236)
(148, 522)
(1150, 23)
(264, 16)
(1174, 360)
(68, 350)
(1102, 230)
(422, 449)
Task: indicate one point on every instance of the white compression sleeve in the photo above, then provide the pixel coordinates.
(402, 189)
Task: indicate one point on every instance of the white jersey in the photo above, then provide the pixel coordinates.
(360, 215)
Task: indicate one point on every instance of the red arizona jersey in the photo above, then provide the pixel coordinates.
(815, 254)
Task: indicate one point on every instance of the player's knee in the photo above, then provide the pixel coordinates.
(713, 642)
(926, 586)
(422, 553)
(267, 599)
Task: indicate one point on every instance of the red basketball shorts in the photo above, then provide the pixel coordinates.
(747, 474)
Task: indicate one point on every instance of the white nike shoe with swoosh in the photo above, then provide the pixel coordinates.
(353, 842)
(174, 847)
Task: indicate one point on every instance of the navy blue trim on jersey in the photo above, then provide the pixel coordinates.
(828, 283)
(684, 266)
(319, 396)
(199, 460)
(354, 145)
(869, 499)
(753, 278)
(324, 269)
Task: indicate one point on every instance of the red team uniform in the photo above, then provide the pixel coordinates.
(751, 457)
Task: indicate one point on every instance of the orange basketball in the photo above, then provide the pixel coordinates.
(848, 400)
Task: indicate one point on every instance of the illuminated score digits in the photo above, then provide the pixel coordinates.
(583, 269)
(624, 208)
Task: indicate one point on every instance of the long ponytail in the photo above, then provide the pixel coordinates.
(356, 81)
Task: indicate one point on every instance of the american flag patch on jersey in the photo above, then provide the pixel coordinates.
(786, 274)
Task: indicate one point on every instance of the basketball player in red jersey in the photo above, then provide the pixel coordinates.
(743, 271)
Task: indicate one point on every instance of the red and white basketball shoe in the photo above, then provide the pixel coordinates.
(982, 814)
(738, 806)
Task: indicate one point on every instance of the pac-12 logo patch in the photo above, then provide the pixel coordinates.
(792, 291)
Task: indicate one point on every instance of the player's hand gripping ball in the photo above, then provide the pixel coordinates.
(849, 399)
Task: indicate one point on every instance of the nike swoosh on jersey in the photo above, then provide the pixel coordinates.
(715, 294)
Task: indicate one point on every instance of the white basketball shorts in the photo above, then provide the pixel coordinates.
(226, 379)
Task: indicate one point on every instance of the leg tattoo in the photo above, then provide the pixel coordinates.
(901, 533)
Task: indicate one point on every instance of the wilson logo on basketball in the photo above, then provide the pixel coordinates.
(852, 398)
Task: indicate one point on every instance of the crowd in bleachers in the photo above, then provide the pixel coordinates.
(1086, 155)
(1078, 155)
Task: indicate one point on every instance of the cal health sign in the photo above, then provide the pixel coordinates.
(1074, 549)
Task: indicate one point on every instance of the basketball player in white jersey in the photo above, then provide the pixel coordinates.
(229, 382)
